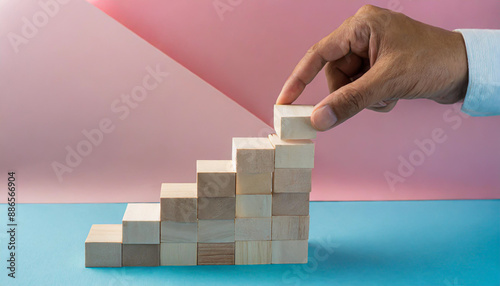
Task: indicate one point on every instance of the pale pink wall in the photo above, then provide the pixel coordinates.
(69, 76)
(248, 51)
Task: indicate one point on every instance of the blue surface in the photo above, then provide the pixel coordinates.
(351, 243)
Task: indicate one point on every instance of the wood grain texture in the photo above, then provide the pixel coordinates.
(216, 230)
(289, 251)
(111, 233)
(254, 184)
(141, 224)
(252, 229)
(103, 246)
(294, 121)
(172, 231)
(253, 155)
(290, 228)
(216, 208)
(173, 253)
(253, 252)
(292, 153)
(292, 180)
(291, 204)
(216, 253)
(215, 178)
(179, 190)
(179, 202)
(253, 205)
(141, 255)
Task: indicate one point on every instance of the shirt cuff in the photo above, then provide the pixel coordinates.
(483, 56)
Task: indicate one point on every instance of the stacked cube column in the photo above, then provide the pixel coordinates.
(294, 160)
(253, 159)
(179, 224)
(216, 181)
(141, 235)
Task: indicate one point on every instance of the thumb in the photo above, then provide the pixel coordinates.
(347, 101)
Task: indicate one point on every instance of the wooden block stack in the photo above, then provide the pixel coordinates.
(216, 181)
(179, 224)
(253, 159)
(253, 209)
(141, 235)
(294, 160)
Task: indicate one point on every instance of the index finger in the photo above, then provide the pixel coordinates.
(330, 48)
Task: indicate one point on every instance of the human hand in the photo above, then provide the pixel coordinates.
(375, 58)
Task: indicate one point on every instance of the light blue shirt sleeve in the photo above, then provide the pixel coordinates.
(483, 56)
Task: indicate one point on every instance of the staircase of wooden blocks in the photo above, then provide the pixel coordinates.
(253, 209)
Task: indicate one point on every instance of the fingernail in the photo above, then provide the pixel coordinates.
(324, 118)
(380, 104)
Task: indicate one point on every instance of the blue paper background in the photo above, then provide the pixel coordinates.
(351, 243)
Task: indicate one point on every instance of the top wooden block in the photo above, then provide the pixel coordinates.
(179, 202)
(294, 121)
(215, 178)
(103, 246)
(253, 155)
(142, 212)
(105, 233)
(214, 166)
(179, 190)
(141, 224)
(297, 153)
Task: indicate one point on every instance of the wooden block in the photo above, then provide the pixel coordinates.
(141, 224)
(253, 155)
(103, 246)
(216, 230)
(172, 231)
(178, 202)
(253, 205)
(292, 153)
(252, 229)
(215, 178)
(253, 184)
(294, 121)
(216, 253)
(292, 180)
(252, 252)
(174, 253)
(290, 204)
(216, 208)
(290, 228)
(141, 255)
(289, 251)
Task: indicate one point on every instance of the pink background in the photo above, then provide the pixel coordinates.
(65, 78)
